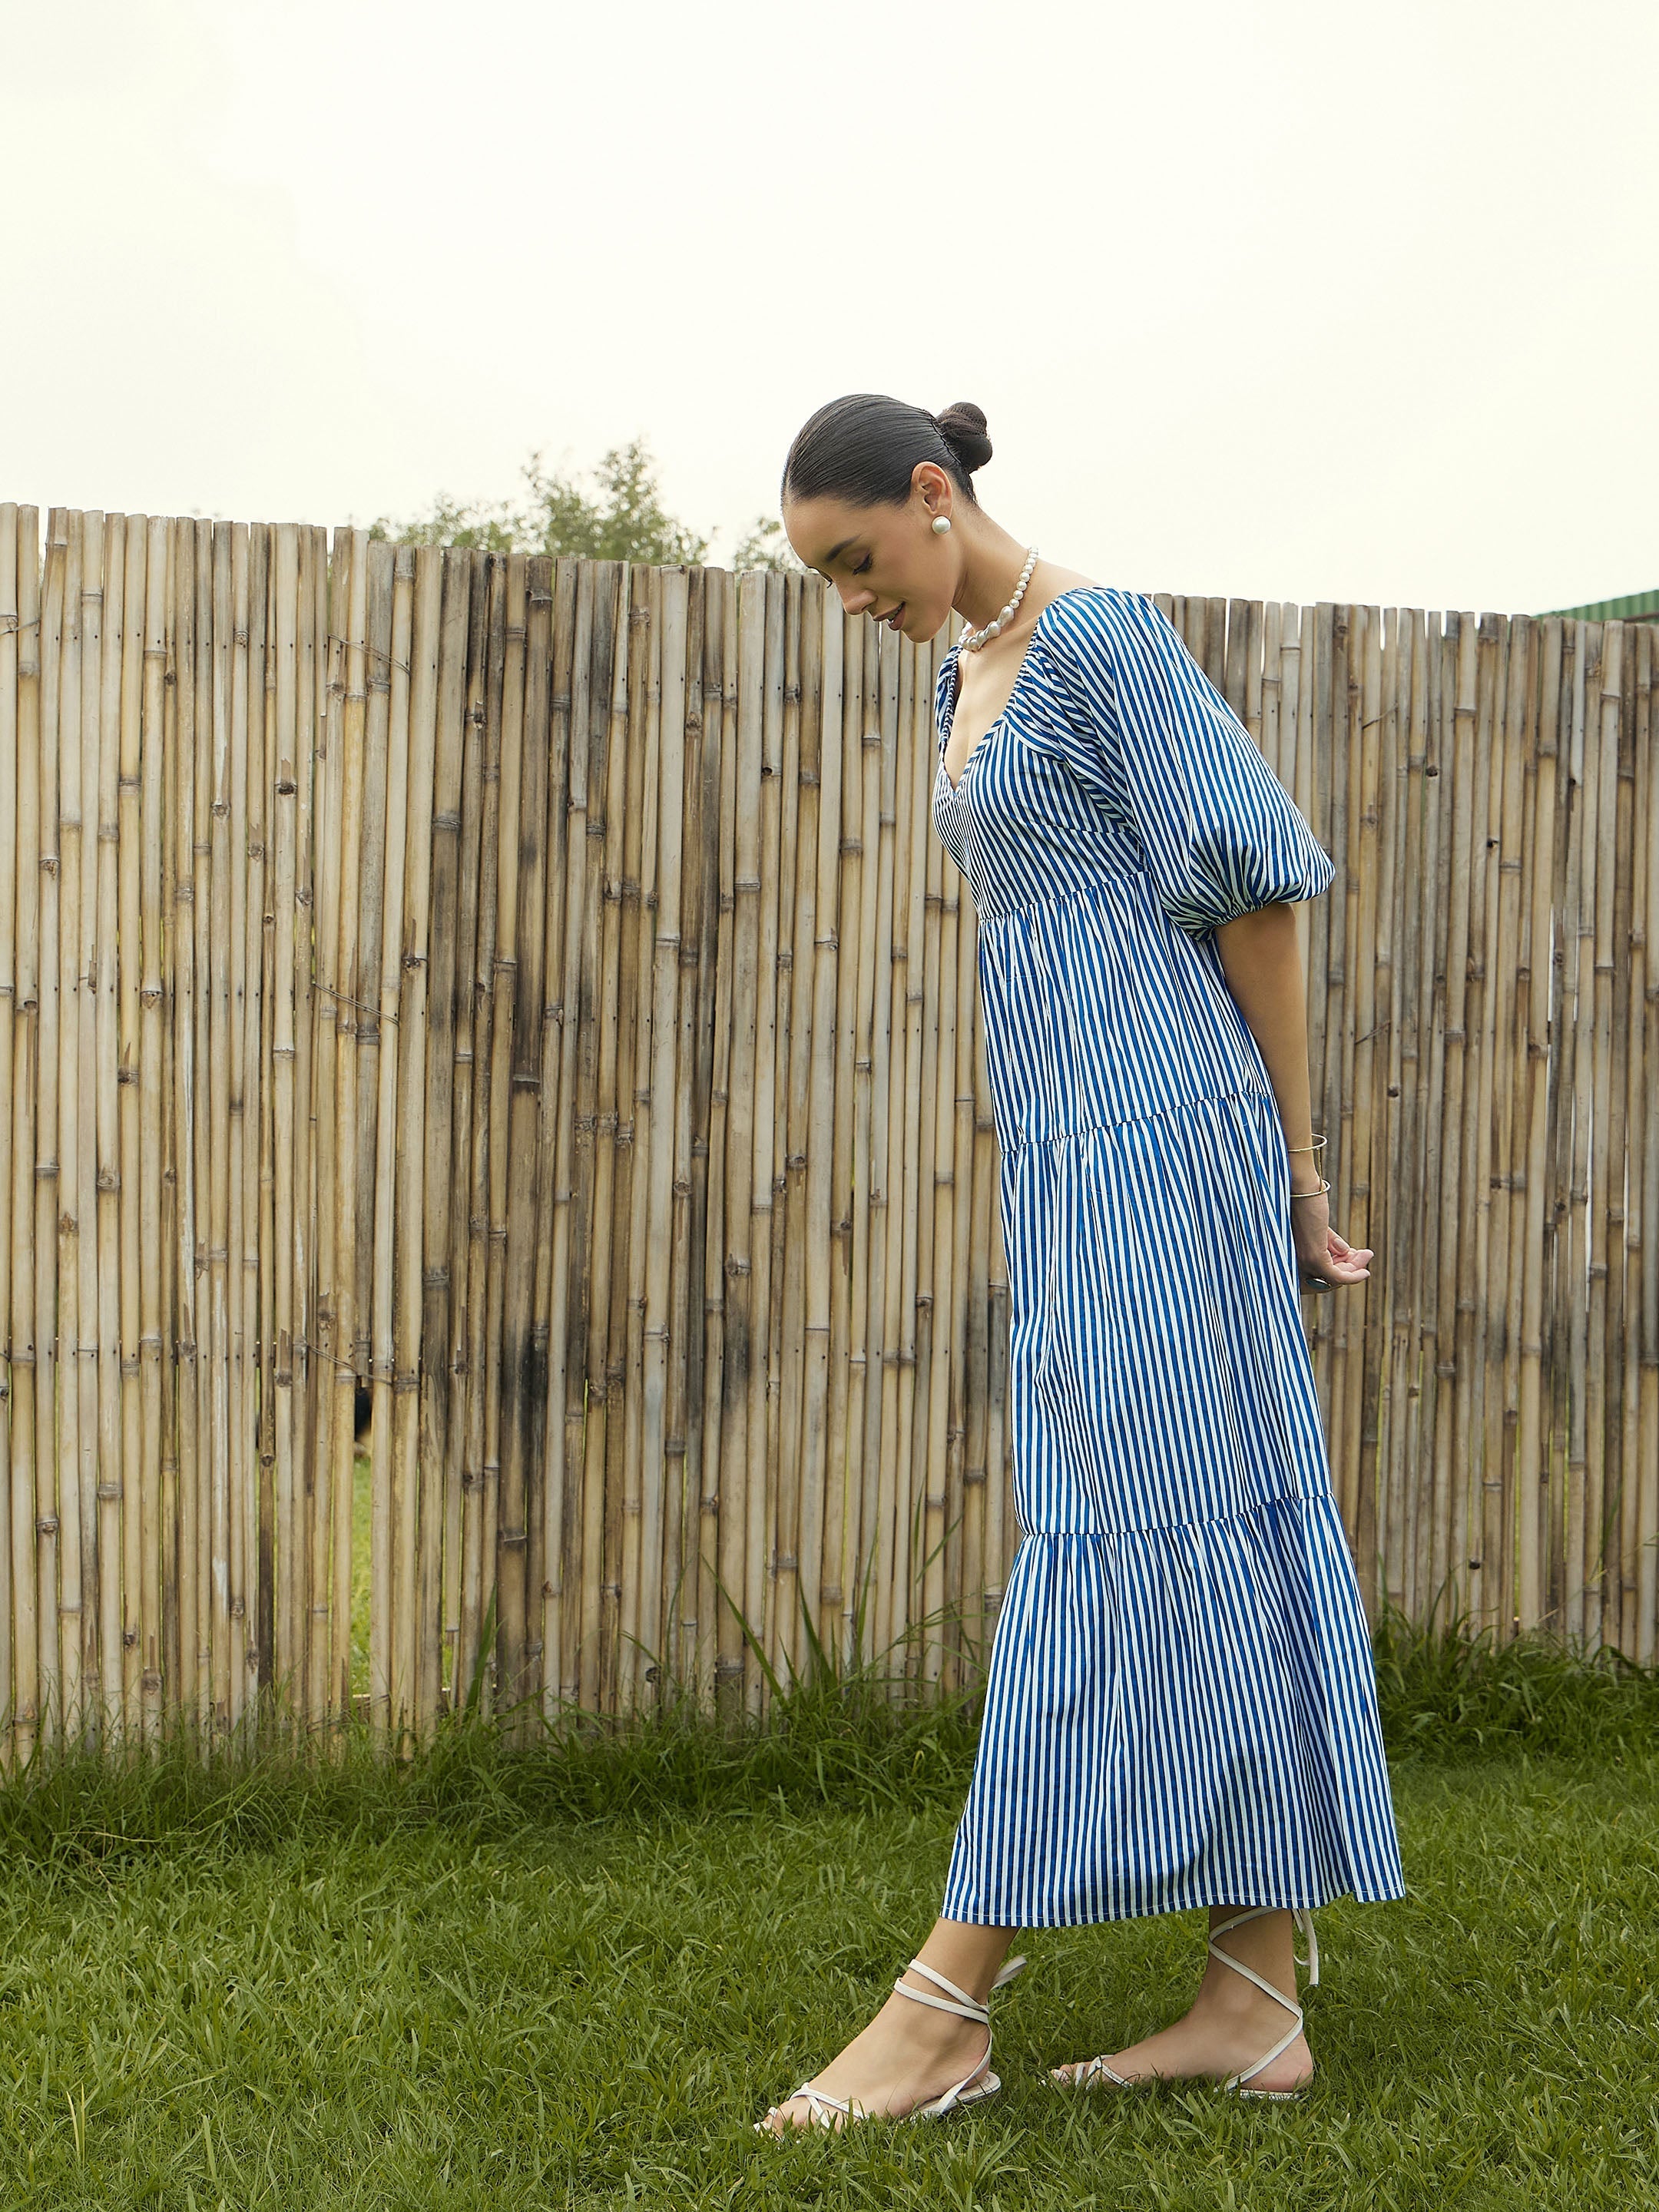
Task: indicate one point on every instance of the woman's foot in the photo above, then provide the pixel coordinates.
(1203, 2046)
(1232, 2023)
(908, 2054)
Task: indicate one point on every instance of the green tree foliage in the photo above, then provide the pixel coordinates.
(623, 520)
(765, 546)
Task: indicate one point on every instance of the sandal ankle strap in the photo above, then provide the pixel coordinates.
(956, 2000)
(1302, 1920)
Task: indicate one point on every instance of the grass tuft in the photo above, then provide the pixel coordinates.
(1454, 1696)
(843, 1739)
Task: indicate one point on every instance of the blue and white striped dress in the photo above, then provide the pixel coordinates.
(1180, 1708)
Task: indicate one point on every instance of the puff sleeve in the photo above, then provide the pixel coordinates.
(1220, 835)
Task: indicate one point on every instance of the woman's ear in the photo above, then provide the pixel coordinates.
(930, 483)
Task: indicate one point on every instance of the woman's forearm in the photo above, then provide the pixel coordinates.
(1263, 964)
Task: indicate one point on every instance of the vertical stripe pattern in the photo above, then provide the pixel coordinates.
(1180, 1708)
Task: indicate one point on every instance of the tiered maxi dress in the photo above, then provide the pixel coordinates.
(1180, 1708)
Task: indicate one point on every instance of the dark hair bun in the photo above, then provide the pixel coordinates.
(962, 426)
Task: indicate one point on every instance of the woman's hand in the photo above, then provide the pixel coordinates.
(1324, 1260)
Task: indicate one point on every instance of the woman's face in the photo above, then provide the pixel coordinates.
(886, 562)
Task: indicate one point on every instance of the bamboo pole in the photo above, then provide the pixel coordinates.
(241, 1409)
(1365, 1214)
(320, 799)
(1213, 656)
(13, 871)
(287, 1188)
(74, 1527)
(376, 1047)
(332, 1257)
(886, 1169)
(1342, 1043)
(843, 1480)
(345, 978)
(1383, 1374)
(550, 1309)
(739, 1352)
(168, 1612)
(1512, 784)
(717, 1659)
(414, 947)
(468, 1217)
(917, 1301)
(780, 1460)
(55, 1432)
(923, 1319)
(1645, 1142)
(911, 1155)
(104, 1246)
(1585, 1314)
(612, 1212)
(1645, 1147)
(450, 589)
(760, 1527)
(28, 1365)
(204, 1473)
(634, 1131)
(1320, 678)
(153, 1242)
(1476, 1133)
(682, 1414)
(1563, 1309)
(1412, 889)
(383, 1680)
(1455, 1241)
(1606, 1124)
(1625, 1170)
(250, 1068)
(799, 1487)
(261, 1169)
(590, 1225)
(663, 854)
(869, 1242)
(87, 1208)
(822, 1476)
(1533, 1471)
(640, 1651)
(477, 1575)
(566, 1410)
(212, 918)
(517, 1041)
(1438, 821)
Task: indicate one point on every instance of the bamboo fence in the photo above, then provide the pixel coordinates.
(533, 992)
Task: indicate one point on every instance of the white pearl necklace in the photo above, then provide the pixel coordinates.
(971, 640)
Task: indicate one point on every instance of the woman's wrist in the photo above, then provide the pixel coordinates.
(1306, 1155)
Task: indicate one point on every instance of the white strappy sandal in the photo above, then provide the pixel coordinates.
(1096, 2069)
(973, 2089)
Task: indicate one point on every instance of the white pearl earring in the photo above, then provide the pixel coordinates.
(941, 524)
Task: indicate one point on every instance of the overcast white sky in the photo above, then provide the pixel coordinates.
(1294, 300)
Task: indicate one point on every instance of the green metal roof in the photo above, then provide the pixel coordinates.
(1635, 606)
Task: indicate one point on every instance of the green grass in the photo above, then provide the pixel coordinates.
(571, 1977)
(478, 2006)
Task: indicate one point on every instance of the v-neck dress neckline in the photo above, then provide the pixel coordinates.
(952, 662)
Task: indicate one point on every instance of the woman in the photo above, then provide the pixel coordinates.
(1180, 1709)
